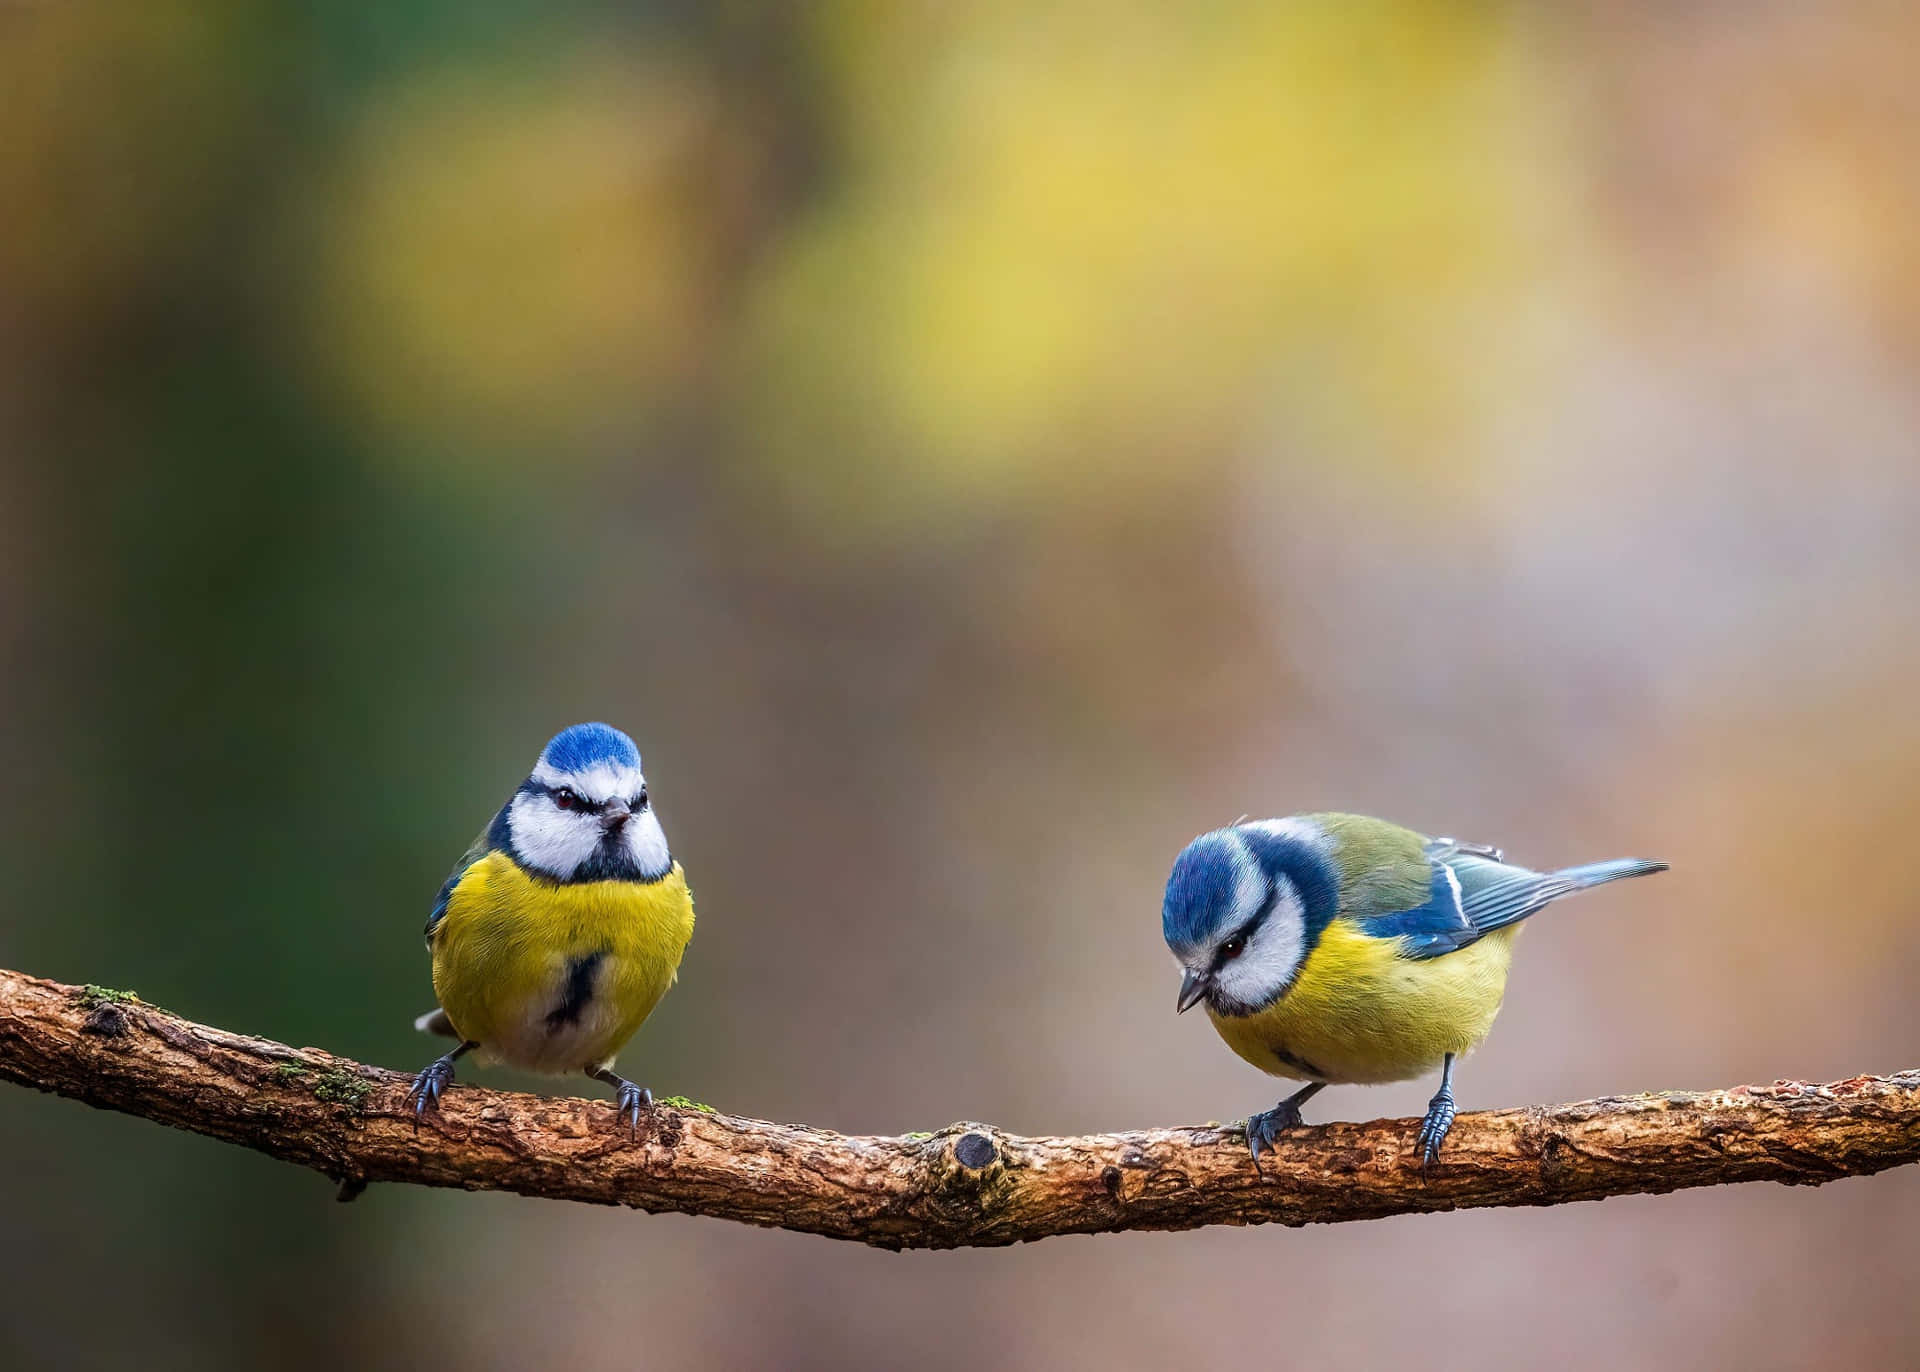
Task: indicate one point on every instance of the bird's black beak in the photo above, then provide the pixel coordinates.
(614, 815)
(1192, 987)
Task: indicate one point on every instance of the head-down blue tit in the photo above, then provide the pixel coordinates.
(561, 928)
(1337, 948)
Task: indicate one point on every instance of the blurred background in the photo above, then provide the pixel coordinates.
(973, 449)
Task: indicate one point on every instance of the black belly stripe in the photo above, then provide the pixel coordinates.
(1298, 1064)
(576, 994)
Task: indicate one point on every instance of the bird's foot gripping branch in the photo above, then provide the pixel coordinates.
(967, 1185)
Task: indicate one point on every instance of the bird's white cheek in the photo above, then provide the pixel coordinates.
(550, 839)
(1267, 967)
(647, 841)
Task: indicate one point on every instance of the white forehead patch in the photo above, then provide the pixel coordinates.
(601, 782)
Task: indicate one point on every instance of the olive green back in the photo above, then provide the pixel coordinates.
(1383, 867)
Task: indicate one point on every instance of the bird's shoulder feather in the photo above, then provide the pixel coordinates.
(1382, 867)
(478, 849)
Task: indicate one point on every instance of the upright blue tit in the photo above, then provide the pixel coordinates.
(564, 924)
(1338, 948)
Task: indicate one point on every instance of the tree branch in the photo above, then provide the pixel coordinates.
(967, 1185)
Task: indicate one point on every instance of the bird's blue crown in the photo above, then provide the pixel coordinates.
(1207, 876)
(1201, 889)
(588, 745)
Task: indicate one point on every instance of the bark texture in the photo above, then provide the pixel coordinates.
(968, 1184)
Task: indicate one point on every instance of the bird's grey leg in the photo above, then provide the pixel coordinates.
(1268, 1125)
(633, 1099)
(1440, 1112)
(434, 1078)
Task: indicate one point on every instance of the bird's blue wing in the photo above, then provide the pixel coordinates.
(1495, 894)
(1426, 931)
(1473, 894)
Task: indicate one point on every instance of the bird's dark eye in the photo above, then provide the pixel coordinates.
(1233, 948)
(640, 801)
(566, 798)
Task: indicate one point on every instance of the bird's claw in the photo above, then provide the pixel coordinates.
(1433, 1129)
(1267, 1126)
(429, 1084)
(633, 1099)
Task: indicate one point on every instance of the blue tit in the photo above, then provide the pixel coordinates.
(564, 924)
(1338, 948)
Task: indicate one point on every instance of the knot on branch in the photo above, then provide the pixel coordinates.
(975, 1151)
(106, 1017)
(965, 1178)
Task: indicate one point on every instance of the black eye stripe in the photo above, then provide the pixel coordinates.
(580, 803)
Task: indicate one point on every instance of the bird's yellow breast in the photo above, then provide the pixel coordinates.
(551, 977)
(1358, 1012)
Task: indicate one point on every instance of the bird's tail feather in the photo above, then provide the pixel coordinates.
(435, 1021)
(1615, 869)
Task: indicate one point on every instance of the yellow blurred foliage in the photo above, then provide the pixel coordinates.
(514, 259)
(994, 290)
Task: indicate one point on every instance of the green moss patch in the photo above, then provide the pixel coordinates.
(330, 1084)
(342, 1088)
